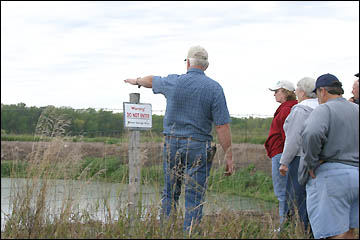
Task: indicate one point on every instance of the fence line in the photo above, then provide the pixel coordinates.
(121, 197)
(120, 110)
(118, 130)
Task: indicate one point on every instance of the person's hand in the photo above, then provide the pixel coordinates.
(312, 174)
(352, 99)
(283, 169)
(229, 169)
(132, 81)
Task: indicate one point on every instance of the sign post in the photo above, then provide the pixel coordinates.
(136, 117)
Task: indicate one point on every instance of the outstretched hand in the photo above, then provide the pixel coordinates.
(132, 81)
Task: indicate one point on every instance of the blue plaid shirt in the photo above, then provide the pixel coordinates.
(194, 102)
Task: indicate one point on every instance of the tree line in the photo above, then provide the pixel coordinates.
(20, 119)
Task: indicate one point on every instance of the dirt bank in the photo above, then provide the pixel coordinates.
(151, 153)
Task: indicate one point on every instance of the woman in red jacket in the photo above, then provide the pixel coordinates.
(274, 145)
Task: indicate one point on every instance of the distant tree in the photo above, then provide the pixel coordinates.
(20, 119)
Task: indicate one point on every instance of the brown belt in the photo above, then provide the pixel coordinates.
(178, 137)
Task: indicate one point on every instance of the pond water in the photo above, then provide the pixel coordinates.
(97, 197)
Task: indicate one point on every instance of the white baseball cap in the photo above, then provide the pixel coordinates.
(283, 84)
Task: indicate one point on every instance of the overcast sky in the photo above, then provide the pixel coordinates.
(77, 54)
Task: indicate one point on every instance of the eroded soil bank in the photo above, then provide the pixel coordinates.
(150, 153)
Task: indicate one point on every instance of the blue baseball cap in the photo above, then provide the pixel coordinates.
(326, 80)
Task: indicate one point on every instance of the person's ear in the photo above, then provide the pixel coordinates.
(303, 94)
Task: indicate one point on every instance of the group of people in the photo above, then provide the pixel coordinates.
(314, 148)
(318, 133)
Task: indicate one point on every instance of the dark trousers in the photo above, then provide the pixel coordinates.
(296, 193)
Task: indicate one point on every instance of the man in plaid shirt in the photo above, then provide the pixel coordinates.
(194, 103)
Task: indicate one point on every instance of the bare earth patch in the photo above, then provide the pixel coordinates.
(151, 153)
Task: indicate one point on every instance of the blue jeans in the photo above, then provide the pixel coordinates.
(185, 160)
(279, 184)
(296, 192)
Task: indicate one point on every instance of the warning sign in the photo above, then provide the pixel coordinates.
(137, 116)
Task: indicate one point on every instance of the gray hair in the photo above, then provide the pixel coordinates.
(198, 56)
(307, 85)
(199, 62)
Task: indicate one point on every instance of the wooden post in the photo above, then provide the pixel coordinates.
(134, 165)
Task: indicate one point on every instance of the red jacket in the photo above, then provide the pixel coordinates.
(275, 142)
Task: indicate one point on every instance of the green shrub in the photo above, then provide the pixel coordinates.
(246, 182)
(13, 168)
(23, 138)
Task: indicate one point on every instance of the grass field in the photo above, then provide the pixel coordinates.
(29, 220)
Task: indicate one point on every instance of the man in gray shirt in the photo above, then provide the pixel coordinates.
(331, 156)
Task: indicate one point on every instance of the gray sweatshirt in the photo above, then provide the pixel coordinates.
(331, 133)
(293, 126)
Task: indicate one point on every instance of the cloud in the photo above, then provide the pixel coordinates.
(77, 53)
